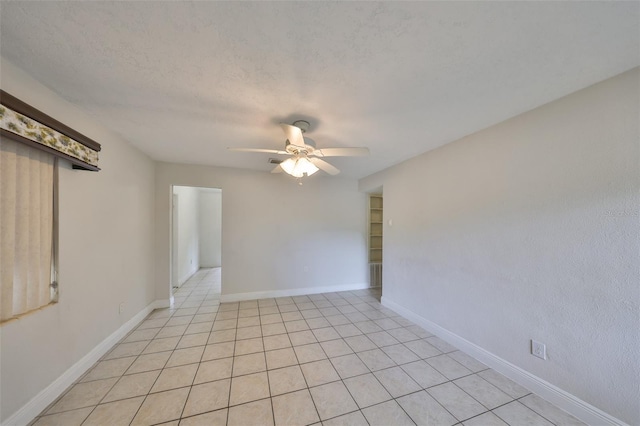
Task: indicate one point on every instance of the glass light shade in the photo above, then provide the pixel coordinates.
(298, 167)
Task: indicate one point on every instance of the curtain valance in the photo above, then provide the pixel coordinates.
(23, 123)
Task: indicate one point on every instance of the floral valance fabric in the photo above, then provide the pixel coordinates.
(23, 123)
(24, 126)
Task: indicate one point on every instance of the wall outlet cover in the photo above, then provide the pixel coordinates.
(538, 349)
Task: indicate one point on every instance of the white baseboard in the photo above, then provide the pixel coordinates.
(237, 297)
(31, 409)
(560, 398)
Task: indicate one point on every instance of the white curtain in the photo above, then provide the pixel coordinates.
(26, 228)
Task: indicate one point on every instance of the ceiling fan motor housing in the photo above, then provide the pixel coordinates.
(308, 148)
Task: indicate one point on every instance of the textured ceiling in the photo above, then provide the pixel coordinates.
(183, 81)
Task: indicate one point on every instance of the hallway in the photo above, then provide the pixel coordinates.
(203, 286)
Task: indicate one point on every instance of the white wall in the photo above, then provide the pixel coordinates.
(188, 231)
(529, 229)
(210, 226)
(106, 254)
(276, 235)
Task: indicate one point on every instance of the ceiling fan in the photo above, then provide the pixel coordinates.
(305, 158)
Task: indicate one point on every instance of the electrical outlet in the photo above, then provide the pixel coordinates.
(538, 349)
(121, 308)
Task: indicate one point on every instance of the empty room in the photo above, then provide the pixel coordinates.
(319, 213)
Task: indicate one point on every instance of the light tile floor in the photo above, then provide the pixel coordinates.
(330, 359)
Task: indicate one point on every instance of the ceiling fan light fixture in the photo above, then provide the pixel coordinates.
(298, 167)
(305, 159)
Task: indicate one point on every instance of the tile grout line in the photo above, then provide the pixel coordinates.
(157, 378)
(273, 411)
(194, 376)
(232, 364)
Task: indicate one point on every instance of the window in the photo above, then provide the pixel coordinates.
(30, 144)
(28, 179)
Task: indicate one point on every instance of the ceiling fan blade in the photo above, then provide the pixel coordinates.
(341, 152)
(277, 169)
(269, 151)
(293, 133)
(323, 165)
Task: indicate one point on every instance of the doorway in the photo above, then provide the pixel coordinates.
(196, 239)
